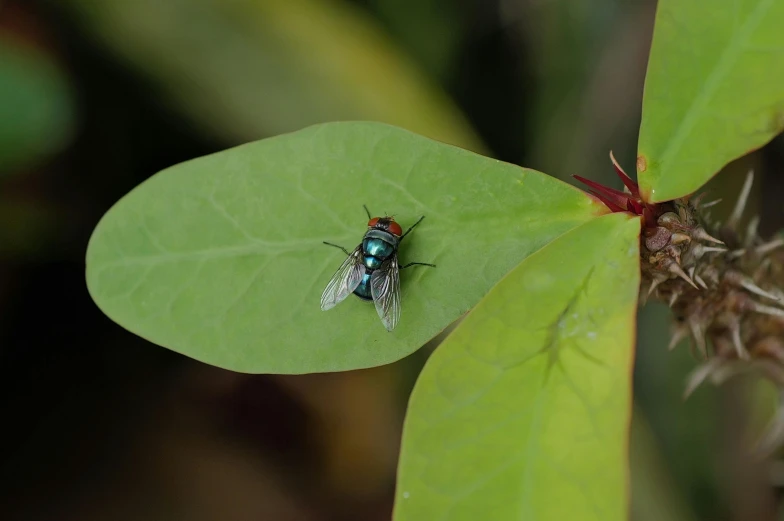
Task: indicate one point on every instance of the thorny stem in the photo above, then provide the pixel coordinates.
(722, 282)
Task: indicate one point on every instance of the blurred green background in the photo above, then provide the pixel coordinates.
(96, 96)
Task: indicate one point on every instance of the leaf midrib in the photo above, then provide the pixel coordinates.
(259, 246)
(728, 57)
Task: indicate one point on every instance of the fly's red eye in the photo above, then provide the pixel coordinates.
(394, 228)
(372, 222)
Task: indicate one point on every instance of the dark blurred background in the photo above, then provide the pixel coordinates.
(98, 95)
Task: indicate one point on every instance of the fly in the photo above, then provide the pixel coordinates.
(371, 271)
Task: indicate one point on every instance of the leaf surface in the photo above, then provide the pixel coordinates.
(523, 411)
(221, 258)
(713, 91)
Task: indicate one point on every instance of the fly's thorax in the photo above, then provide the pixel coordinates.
(379, 244)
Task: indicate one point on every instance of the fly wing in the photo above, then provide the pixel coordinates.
(344, 281)
(385, 288)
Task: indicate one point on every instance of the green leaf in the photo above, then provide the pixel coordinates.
(523, 412)
(221, 258)
(36, 112)
(247, 69)
(713, 91)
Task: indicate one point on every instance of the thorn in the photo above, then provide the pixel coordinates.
(700, 374)
(699, 337)
(654, 283)
(749, 285)
(679, 334)
(674, 297)
(678, 238)
(644, 295)
(736, 341)
(676, 269)
(766, 310)
(625, 179)
(727, 371)
(751, 231)
(738, 279)
(701, 282)
(711, 249)
(696, 201)
(767, 248)
(710, 203)
(657, 279)
(740, 205)
(700, 233)
(699, 250)
(734, 254)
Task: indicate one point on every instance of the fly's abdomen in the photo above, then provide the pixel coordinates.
(363, 290)
(372, 263)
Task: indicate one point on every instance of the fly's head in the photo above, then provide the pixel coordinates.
(386, 224)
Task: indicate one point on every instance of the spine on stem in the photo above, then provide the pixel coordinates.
(722, 281)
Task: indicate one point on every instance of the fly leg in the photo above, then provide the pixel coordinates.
(417, 264)
(338, 247)
(412, 227)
